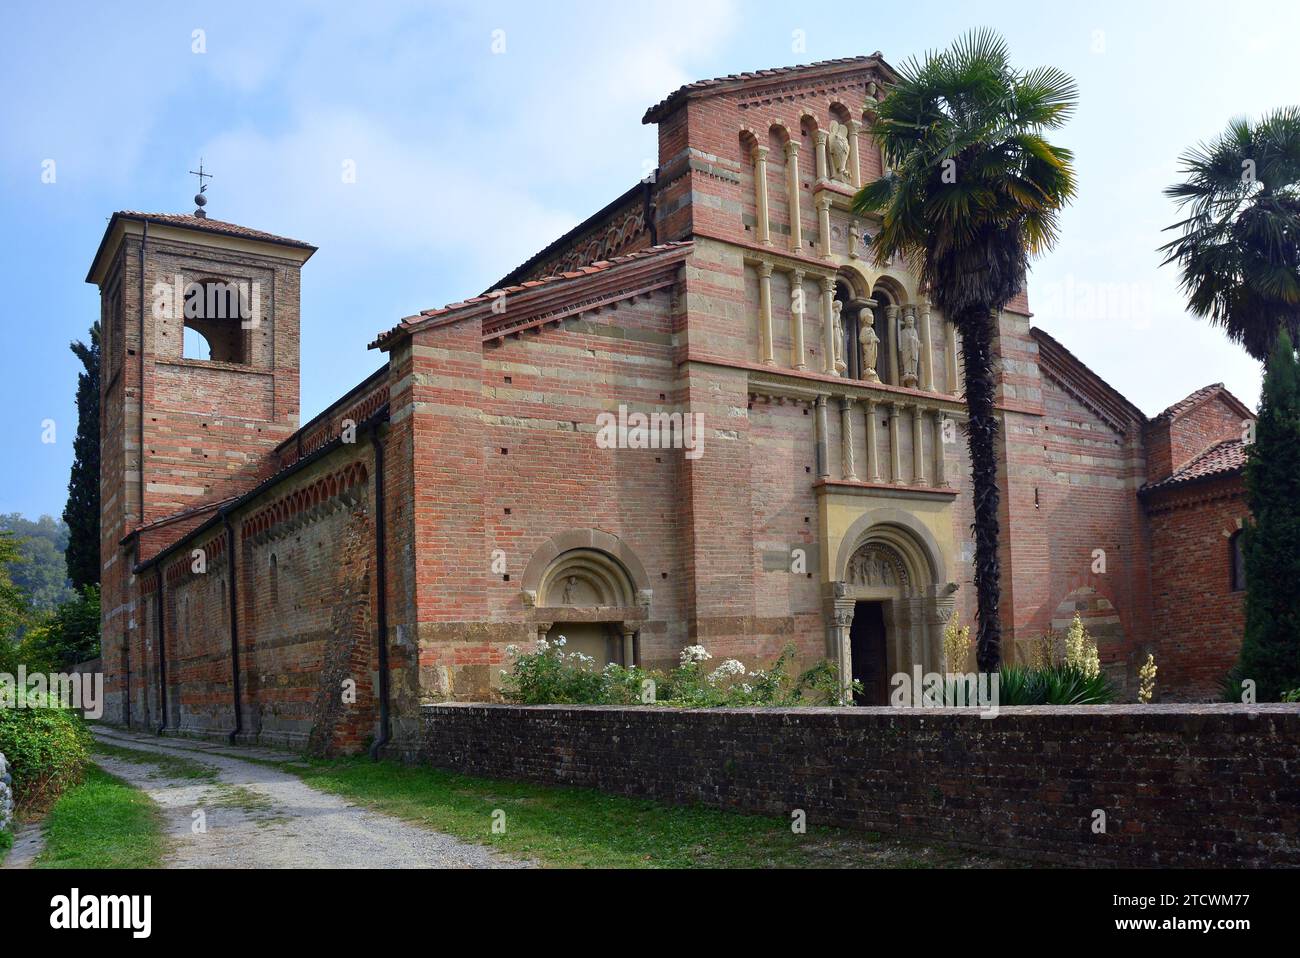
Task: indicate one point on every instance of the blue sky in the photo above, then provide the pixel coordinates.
(469, 160)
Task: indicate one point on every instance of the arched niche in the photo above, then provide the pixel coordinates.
(893, 533)
(586, 578)
(608, 573)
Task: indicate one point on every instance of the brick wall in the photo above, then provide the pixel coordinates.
(1179, 786)
(1199, 618)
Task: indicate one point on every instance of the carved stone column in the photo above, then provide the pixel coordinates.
(940, 472)
(895, 448)
(891, 342)
(629, 646)
(927, 353)
(873, 450)
(848, 469)
(950, 331)
(765, 314)
(799, 358)
(841, 644)
(855, 165)
(762, 226)
(823, 451)
(824, 224)
(822, 137)
(828, 325)
(918, 446)
(796, 219)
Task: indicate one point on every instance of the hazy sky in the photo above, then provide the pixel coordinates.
(469, 160)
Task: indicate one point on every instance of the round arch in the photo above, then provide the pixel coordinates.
(902, 534)
(604, 565)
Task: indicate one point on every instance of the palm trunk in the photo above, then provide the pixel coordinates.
(981, 436)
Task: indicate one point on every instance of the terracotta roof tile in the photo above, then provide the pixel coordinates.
(671, 102)
(1180, 407)
(1222, 459)
(209, 225)
(410, 322)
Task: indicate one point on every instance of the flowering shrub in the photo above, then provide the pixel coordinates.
(956, 644)
(549, 675)
(1147, 680)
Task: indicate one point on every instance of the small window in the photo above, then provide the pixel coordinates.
(1237, 561)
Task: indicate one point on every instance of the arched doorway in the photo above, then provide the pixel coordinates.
(891, 601)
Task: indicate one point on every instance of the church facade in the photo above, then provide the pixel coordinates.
(703, 416)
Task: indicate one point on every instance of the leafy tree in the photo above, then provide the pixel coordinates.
(973, 189)
(82, 510)
(14, 607)
(1270, 651)
(1239, 247)
(39, 570)
(71, 634)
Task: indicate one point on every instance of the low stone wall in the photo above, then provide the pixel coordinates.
(1209, 785)
(6, 794)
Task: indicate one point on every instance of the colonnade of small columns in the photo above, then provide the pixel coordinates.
(926, 471)
(920, 313)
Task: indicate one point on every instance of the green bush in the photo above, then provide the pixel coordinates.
(47, 750)
(551, 676)
(1055, 684)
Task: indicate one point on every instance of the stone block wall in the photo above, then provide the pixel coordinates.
(1205, 786)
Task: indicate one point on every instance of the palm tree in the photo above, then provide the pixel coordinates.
(1239, 248)
(973, 190)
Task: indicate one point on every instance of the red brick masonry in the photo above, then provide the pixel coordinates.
(1180, 786)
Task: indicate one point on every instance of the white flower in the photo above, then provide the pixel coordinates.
(560, 641)
(512, 650)
(727, 669)
(694, 653)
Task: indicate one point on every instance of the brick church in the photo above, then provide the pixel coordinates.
(313, 585)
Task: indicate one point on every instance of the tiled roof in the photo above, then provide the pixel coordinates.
(717, 84)
(208, 225)
(1183, 405)
(602, 266)
(1222, 459)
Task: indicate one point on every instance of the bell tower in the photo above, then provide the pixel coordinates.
(200, 370)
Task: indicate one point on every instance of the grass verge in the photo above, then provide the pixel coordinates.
(102, 823)
(581, 828)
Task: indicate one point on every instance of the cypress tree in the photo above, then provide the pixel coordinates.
(82, 511)
(1270, 650)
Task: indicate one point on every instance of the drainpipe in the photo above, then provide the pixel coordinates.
(381, 599)
(234, 626)
(162, 651)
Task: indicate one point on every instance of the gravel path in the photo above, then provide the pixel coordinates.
(28, 843)
(261, 817)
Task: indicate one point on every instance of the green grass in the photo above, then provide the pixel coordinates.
(102, 823)
(6, 843)
(169, 766)
(582, 828)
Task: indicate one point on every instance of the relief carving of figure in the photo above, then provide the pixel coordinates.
(837, 148)
(837, 308)
(909, 350)
(570, 586)
(855, 239)
(870, 566)
(869, 344)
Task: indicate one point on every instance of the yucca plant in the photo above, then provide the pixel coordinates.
(973, 189)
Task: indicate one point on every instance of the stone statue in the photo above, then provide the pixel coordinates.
(570, 586)
(837, 148)
(909, 350)
(869, 344)
(855, 239)
(837, 321)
